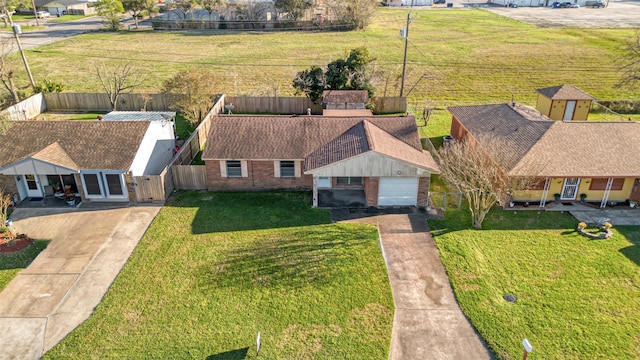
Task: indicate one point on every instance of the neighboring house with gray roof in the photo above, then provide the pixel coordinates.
(97, 160)
(377, 160)
(597, 159)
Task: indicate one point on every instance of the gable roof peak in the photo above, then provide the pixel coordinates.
(565, 92)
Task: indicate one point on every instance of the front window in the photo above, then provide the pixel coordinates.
(349, 180)
(114, 185)
(234, 169)
(287, 169)
(92, 184)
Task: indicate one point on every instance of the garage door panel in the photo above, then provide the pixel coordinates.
(398, 191)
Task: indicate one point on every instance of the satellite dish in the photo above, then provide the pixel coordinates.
(229, 107)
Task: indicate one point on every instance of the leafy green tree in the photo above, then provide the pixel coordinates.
(294, 9)
(47, 85)
(136, 7)
(112, 11)
(8, 7)
(192, 92)
(351, 73)
(310, 82)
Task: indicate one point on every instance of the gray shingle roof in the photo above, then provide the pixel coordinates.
(74, 144)
(565, 92)
(284, 137)
(345, 96)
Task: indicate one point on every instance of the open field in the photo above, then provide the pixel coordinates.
(455, 57)
(576, 298)
(213, 269)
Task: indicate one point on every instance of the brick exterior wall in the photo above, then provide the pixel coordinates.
(8, 184)
(423, 191)
(371, 190)
(260, 177)
(128, 180)
(80, 189)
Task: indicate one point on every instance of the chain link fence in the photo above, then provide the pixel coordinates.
(445, 200)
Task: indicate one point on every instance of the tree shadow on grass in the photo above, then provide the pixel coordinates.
(500, 219)
(238, 354)
(227, 211)
(292, 258)
(632, 233)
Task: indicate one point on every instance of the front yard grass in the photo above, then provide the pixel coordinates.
(12, 263)
(576, 298)
(213, 269)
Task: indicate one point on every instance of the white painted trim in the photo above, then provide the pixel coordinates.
(243, 168)
(276, 168)
(223, 168)
(297, 168)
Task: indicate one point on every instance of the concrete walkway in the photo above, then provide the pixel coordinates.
(428, 324)
(65, 283)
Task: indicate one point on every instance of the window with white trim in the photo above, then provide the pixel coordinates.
(234, 168)
(287, 169)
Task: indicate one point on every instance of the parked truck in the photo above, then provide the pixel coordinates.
(595, 4)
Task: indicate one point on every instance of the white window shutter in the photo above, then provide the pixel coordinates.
(243, 168)
(276, 168)
(223, 168)
(297, 167)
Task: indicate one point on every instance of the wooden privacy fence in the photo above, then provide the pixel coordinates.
(100, 102)
(299, 105)
(190, 177)
(155, 188)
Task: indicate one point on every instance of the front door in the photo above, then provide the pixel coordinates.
(570, 189)
(33, 186)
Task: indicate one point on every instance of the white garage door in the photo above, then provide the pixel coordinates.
(398, 192)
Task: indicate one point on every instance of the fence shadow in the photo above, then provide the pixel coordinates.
(238, 354)
(632, 233)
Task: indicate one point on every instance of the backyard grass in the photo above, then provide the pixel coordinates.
(576, 298)
(461, 57)
(12, 263)
(213, 269)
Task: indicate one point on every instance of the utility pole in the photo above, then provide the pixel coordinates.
(404, 62)
(17, 31)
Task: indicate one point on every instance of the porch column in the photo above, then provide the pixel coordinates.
(315, 191)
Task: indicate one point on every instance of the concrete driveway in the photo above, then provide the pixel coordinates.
(65, 283)
(428, 323)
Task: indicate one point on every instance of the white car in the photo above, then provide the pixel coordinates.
(42, 14)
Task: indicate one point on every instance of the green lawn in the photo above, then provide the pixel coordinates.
(576, 298)
(466, 57)
(12, 263)
(213, 269)
(66, 18)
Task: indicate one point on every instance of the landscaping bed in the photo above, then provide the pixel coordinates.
(213, 269)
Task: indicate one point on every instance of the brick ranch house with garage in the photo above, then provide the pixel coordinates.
(348, 161)
(572, 157)
(93, 160)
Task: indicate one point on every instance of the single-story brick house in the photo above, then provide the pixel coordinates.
(96, 160)
(571, 158)
(378, 159)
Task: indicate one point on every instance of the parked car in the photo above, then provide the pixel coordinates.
(42, 14)
(439, 1)
(595, 4)
(512, 5)
(574, 6)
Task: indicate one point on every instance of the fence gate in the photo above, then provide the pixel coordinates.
(149, 189)
(445, 200)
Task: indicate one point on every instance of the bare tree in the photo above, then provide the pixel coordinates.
(631, 64)
(5, 203)
(471, 166)
(7, 69)
(357, 11)
(252, 10)
(192, 93)
(119, 79)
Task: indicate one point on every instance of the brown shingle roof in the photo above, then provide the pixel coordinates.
(77, 144)
(518, 128)
(585, 149)
(350, 143)
(565, 92)
(345, 96)
(282, 137)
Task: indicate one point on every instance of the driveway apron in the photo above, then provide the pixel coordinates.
(428, 324)
(64, 284)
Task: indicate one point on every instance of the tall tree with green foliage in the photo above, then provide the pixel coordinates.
(294, 9)
(192, 93)
(136, 7)
(112, 11)
(353, 72)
